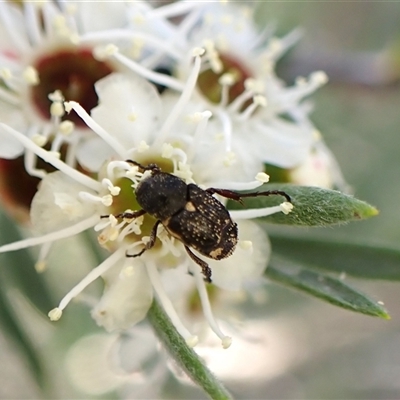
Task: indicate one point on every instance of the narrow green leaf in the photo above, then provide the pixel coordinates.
(183, 355)
(11, 327)
(313, 206)
(17, 269)
(362, 261)
(330, 289)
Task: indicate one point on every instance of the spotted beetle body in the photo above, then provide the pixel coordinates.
(190, 214)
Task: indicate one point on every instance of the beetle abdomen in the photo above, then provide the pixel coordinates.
(204, 224)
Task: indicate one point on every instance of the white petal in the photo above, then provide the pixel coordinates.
(127, 297)
(129, 108)
(279, 142)
(57, 205)
(92, 154)
(9, 147)
(245, 264)
(88, 364)
(102, 15)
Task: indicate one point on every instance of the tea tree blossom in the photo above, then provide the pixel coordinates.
(42, 63)
(69, 202)
(251, 106)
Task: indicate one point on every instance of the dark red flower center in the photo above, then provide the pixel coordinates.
(72, 71)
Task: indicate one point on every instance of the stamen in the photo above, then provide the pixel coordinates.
(152, 76)
(53, 236)
(238, 185)
(8, 23)
(9, 97)
(92, 124)
(38, 139)
(32, 23)
(154, 277)
(226, 122)
(286, 207)
(116, 35)
(131, 227)
(66, 127)
(252, 86)
(258, 101)
(143, 146)
(183, 99)
(226, 81)
(260, 212)
(31, 76)
(205, 303)
(56, 313)
(174, 9)
(114, 190)
(121, 165)
(201, 118)
(106, 200)
(30, 163)
(229, 159)
(41, 264)
(48, 157)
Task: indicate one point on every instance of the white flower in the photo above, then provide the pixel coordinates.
(69, 202)
(252, 108)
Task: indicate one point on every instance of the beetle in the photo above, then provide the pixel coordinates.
(190, 214)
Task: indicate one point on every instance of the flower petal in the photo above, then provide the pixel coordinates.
(57, 204)
(129, 108)
(127, 296)
(248, 261)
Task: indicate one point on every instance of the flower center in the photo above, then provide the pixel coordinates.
(72, 71)
(209, 80)
(126, 199)
(13, 177)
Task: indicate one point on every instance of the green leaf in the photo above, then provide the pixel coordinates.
(325, 287)
(183, 355)
(359, 260)
(17, 269)
(11, 327)
(313, 206)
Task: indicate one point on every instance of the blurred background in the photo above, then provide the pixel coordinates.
(307, 349)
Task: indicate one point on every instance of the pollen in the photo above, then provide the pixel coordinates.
(229, 159)
(226, 342)
(198, 51)
(101, 53)
(39, 140)
(66, 127)
(55, 314)
(107, 200)
(192, 341)
(57, 109)
(262, 177)
(31, 75)
(286, 207)
(40, 266)
(143, 146)
(227, 79)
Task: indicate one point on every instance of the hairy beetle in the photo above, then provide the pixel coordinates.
(190, 214)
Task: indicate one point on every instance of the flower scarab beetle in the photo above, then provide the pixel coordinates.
(190, 214)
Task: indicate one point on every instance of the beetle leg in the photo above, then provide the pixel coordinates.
(127, 215)
(150, 167)
(203, 265)
(150, 243)
(229, 194)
